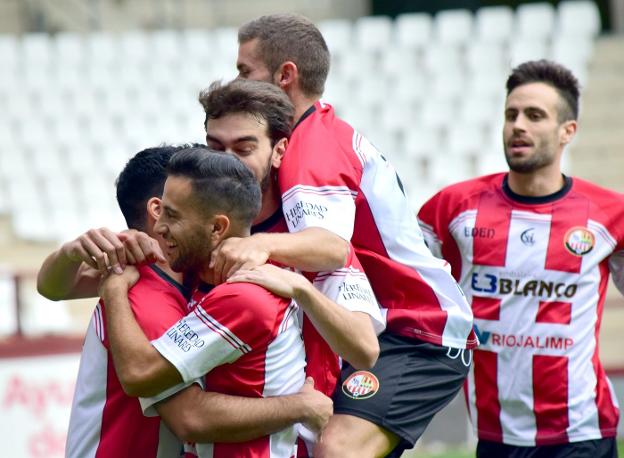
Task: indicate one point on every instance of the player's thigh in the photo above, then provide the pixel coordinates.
(348, 436)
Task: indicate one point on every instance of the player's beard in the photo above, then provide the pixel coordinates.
(543, 156)
(265, 182)
(193, 252)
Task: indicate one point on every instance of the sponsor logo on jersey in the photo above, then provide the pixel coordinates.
(356, 291)
(494, 339)
(184, 337)
(579, 241)
(488, 283)
(479, 232)
(528, 237)
(303, 209)
(361, 385)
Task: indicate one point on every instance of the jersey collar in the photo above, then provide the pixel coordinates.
(186, 292)
(307, 113)
(268, 223)
(534, 200)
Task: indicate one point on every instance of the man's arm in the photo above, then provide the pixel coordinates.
(74, 270)
(141, 369)
(197, 416)
(350, 334)
(311, 250)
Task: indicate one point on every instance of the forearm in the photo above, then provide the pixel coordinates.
(141, 369)
(311, 250)
(349, 334)
(197, 416)
(63, 278)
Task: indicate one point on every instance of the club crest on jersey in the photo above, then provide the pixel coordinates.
(361, 385)
(579, 241)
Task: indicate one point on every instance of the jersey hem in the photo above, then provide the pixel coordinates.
(551, 440)
(434, 339)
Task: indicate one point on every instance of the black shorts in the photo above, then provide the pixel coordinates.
(411, 382)
(599, 448)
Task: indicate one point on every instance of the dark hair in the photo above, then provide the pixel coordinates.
(220, 182)
(553, 74)
(258, 98)
(142, 178)
(291, 37)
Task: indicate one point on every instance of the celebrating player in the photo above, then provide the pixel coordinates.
(336, 187)
(105, 421)
(532, 249)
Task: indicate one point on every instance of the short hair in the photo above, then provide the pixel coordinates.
(261, 99)
(555, 75)
(220, 182)
(291, 37)
(142, 178)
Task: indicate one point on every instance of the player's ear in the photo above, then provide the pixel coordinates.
(286, 74)
(568, 131)
(278, 152)
(154, 208)
(219, 228)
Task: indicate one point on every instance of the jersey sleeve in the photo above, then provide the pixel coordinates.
(227, 324)
(349, 287)
(429, 222)
(156, 311)
(319, 181)
(148, 404)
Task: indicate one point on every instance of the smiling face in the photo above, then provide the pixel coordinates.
(247, 137)
(533, 136)
(183, 227)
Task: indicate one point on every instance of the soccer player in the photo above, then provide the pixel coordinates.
(532, 248)
(336, 187)
(105, 421)
(253, 120)
(239, 338)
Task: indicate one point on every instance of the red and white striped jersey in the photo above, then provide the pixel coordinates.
(332, 177)
(536, 272)
(244, 341)
(104, 422)
(349, 288)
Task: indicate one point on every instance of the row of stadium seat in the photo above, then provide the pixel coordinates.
(77, 107)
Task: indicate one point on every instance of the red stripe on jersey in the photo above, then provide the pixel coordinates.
(486, 308)
(486, 393)
(608, 414)
(550, 399)
(566, 214)
(122, 415)
(554, 312)
(491, 231)
(258, 448)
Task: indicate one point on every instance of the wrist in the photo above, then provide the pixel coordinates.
(302, 290)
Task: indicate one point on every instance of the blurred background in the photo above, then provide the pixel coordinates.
(85, 84)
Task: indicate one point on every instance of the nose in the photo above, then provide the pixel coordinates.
(519, 124)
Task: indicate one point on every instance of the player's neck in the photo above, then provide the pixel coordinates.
(302, 103)
(270, 203)
(164, 266)
(540, 183)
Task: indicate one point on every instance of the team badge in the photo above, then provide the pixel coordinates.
(579, 241)
(361, 385)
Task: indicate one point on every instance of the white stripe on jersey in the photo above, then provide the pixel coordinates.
(404, 242)
(85, 422)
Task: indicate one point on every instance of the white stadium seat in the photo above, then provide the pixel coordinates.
(453, 26)
(338, 34)
(535, 21)
(413, 30)
(373, 33)
(578, 18)
(494, 24)
(524, 50)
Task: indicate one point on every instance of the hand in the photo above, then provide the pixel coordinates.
(99, 248)
(319, 408)
(112, 283)
(237, 253)
(140, 248)
(282, 282)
